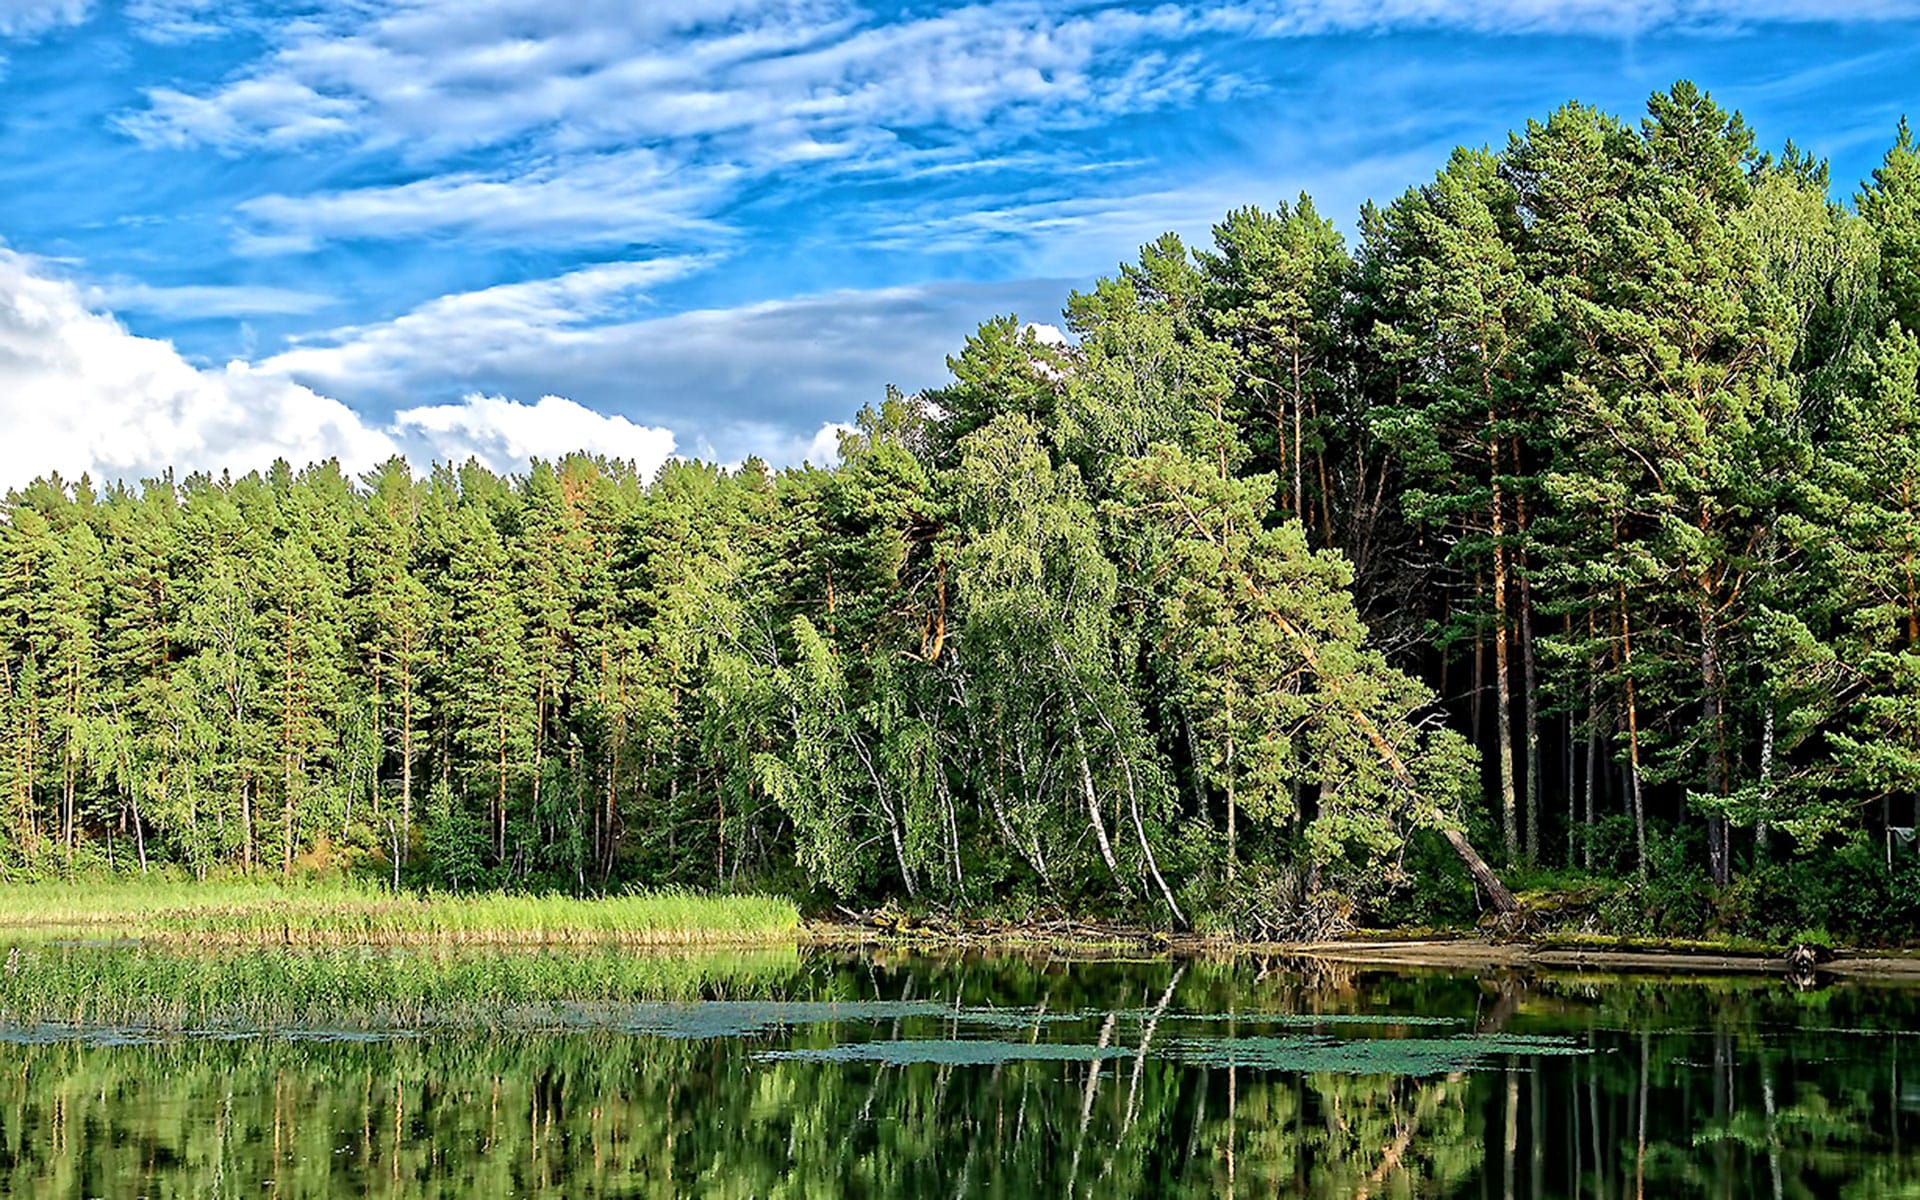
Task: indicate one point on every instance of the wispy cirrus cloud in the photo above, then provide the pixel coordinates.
(456, 336)
(1602, 18)
(637, 125)
(629, 197)
(269, 112)
(730, 381)
(445, 76)
(450, 74)
(201, 301)
(613, 123)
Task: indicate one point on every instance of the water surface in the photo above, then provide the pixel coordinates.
(829, 1073)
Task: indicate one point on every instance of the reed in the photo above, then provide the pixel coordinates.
(338, 912)
(53, 989)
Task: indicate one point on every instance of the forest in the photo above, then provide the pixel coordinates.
(1555, 531)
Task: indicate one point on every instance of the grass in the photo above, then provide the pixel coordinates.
(338, 912)
(1729, 945)
(49, 987)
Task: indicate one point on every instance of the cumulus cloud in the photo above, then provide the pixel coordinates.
(504, 433)
(80, 394)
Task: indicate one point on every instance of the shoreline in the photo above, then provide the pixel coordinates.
(1444, 952)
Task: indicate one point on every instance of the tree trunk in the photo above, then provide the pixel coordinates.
(1529, 682)
(1086, 779)
(1497, 894)
(406, 766)
(1093, 801)
(1139, 825)
(1502, 683)
(1633, 741)
(1719, 856)
(1498, 897)
(1593, 761)
(1299, 399)
(246, 824)
(1762, 829)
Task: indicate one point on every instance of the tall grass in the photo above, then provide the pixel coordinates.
(49, 987)
(344, 912)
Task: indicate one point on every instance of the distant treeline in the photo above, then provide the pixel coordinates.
(1597, 455)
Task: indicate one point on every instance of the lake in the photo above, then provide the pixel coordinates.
(829, 1072)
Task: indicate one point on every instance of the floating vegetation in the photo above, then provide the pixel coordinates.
(1307, 1054)
(726, 1019)
(952, 1052)
(1308, 1019)
(1367, 1056)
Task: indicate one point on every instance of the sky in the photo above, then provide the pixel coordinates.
(237, 231)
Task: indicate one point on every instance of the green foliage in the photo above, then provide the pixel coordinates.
(1580, 502)
(247, 910)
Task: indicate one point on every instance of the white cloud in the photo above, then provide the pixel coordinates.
(635, 124)
(1603, 17)
(504, 433)
(463, 73)
(534, 320)
(204, 300)
(168, 21)
(794, 364)
(616, 123)
(80, 394)
(824, 448)
(273, 112)
(634, 196)
(450, 74)
(774, 446)
(24, 18)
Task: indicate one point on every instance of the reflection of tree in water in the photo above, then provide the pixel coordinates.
(1691, 1090)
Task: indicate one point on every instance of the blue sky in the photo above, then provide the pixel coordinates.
(714, 227)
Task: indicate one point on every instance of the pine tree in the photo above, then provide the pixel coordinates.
(392, 617)
(1891, 206)
(489, 700)
(1463, 426)
(1272, 286)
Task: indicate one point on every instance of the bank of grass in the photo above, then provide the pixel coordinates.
(48, 987)
(338, 912)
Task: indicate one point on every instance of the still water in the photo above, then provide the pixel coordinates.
(884, 1074)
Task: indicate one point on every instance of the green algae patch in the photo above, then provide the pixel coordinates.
(949, 1052)
(1368, 1056)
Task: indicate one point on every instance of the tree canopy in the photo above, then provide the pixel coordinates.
(1570, 511)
